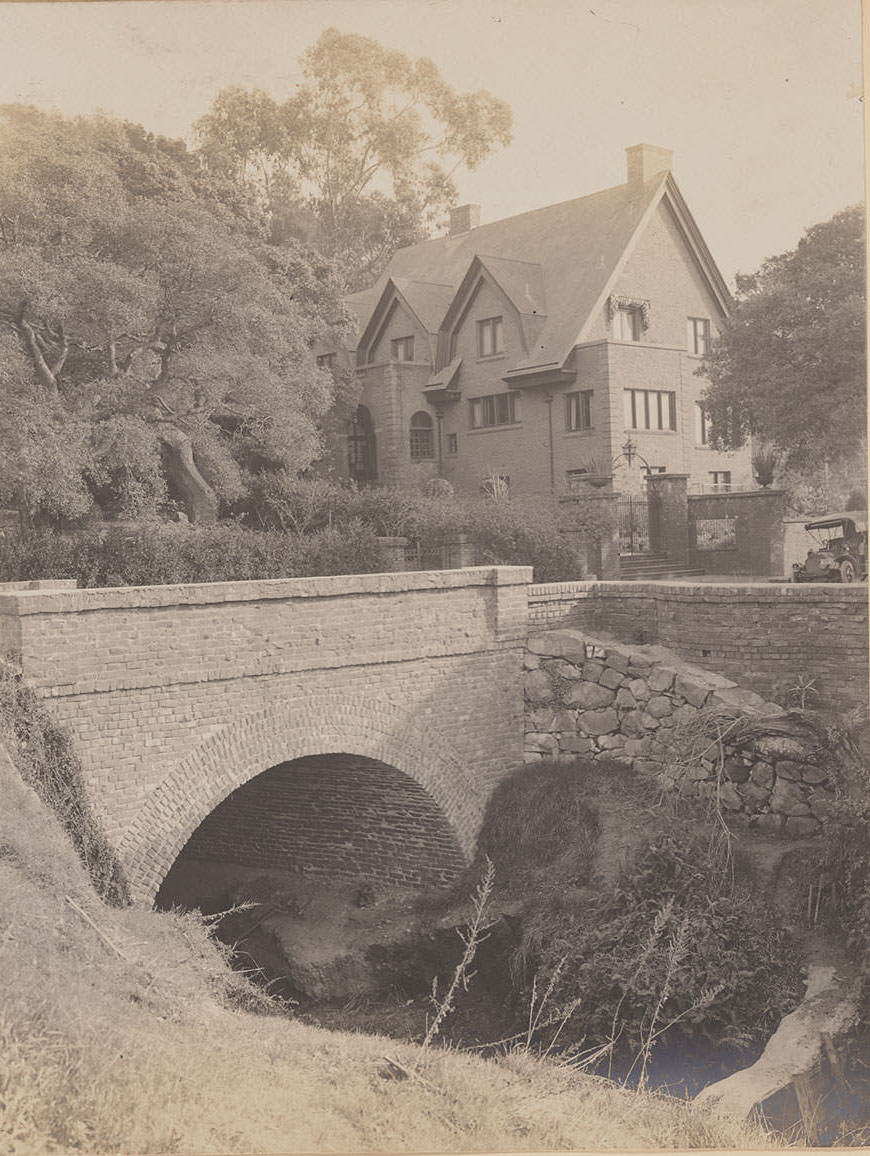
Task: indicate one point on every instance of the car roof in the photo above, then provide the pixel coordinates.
(828, 521)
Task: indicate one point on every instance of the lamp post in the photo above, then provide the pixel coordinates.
(629, 452)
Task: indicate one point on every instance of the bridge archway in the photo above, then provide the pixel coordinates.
(325, 724)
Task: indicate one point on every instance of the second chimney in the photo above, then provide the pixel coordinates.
(644, 162)
(464, 218)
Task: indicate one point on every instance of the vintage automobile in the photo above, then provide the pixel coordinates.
(842, 552)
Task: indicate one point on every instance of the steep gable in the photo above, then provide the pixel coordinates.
(422, 304)
(556, 265)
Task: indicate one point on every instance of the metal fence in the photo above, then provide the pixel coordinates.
(435, 555)
(633, 512)
(715, 533)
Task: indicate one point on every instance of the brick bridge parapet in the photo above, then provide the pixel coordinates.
(177, 695)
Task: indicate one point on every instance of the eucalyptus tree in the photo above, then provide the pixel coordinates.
(362, 156)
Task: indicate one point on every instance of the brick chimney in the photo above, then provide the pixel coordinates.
(644, 162)
(464, 218)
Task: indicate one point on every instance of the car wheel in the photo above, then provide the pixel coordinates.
(847, 570)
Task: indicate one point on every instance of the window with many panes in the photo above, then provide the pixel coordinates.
(490, 337)
(402, 349)
(578, 410)
(495, 409)
(628, 323)
(453, 443)
(702, 425)
(650, 409)
(421, 437)
(699, 336)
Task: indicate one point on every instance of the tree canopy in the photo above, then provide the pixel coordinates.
(154, 346)
(790, 366)
(361, 157)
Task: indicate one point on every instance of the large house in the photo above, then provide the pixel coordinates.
(561, 342)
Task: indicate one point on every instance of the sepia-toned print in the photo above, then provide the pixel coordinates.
(434, 686)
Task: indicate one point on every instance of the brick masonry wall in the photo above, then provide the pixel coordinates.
(177, 695)
(758, 546)
(765, 635)
(333, 817)
(642, 707)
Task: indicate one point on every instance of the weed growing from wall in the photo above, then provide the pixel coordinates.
(44, 756)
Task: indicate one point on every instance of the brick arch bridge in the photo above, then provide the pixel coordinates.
(177, 696)
(324, 723)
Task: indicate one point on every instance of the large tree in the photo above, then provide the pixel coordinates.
(153, 345)
(362, 156)
(790, 367)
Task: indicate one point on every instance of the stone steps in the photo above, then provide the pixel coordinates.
(651, 567)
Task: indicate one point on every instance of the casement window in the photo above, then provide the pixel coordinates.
(720, 481)
(421, 437)
(627, 323)
(650, 409)
(702, 425)
(578, 410)
(495, 409)
(402, 349)
(490, 337)
(326, 361)
(452, 444)
(699, 336)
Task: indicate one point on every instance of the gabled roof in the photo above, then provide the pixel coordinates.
(557, 264)
(424, 299)
(521, 282)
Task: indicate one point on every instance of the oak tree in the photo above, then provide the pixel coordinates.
(790, 366)
(153, 345)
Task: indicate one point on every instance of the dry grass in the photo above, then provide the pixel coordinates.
(119, 1031)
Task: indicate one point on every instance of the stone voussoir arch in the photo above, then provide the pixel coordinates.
(322, 723)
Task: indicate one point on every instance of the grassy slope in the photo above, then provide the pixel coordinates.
(120, 1037)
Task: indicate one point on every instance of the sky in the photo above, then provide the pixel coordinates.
(760, 100)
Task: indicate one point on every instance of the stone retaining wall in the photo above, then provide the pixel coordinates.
(642, 706)
(770, 636)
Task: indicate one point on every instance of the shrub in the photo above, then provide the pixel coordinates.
(539, 821)
(672, 949)
(840, 877)
(150, 555)
(522, 533)
(45, 759)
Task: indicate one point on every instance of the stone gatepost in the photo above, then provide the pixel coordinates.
(457, 552)
(598, 551)
(668, 498)
(393, 551)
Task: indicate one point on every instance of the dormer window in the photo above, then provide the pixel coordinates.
(490, 337)
(402, 349)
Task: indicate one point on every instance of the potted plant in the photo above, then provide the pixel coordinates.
(764, 462)
(597, 472)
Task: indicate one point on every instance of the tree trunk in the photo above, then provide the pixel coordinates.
(45, 375)
(200, 503)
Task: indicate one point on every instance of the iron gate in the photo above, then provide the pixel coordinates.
(633, 524)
